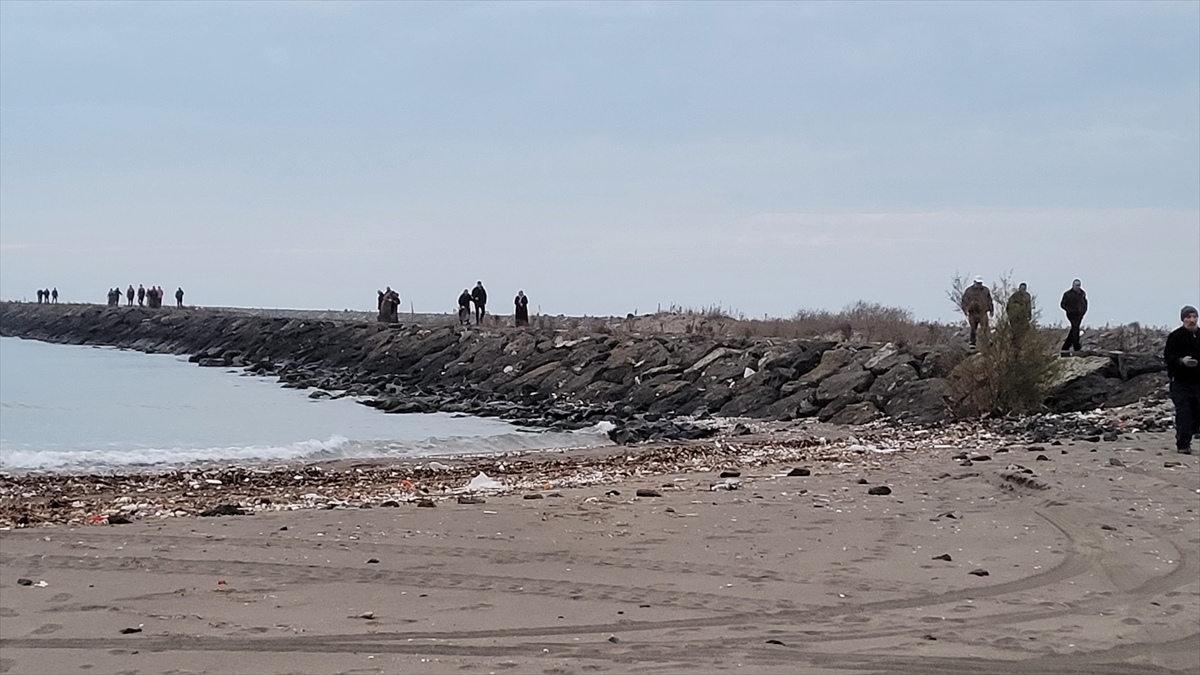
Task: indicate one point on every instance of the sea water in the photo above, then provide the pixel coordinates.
(73, 408)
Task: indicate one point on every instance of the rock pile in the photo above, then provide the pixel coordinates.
(649, 386)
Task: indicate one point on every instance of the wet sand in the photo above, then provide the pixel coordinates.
(1092, 566)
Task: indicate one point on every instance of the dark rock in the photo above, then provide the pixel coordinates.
(24, 582)
(856, 413)
(981, 458)
(862, 481)
(944, 556)
(390, 504)
(980, 572)
(800, 472)
(1042, 458)
(920, 402)
(838, 404)
(373, 561)
(223, 510)
(614, 639)
(885, 384)
(471, 499)
(119, 519)
(130, 631)
(535, 495)
(730, 474)
(1113, 461)
(880, 490)
(612, 493)
(851, 379)
(426, 504)
(775, 642)
(645, 492)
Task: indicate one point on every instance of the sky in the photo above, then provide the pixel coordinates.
(606, 158)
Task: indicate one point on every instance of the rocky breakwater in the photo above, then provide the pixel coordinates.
(649, 386)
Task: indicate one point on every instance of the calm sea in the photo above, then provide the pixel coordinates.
(70, 408)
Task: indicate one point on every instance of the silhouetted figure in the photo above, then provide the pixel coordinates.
(179, 297)
(129, 295)
(479, 297)
(39, 296)
(114, 297)
(1074, 303)
(54, 294)
(141, 294)
(521, 309)
(1020, 312)
(464, 308)
(977, 305)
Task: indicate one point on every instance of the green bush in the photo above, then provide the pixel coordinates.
(1011, 370)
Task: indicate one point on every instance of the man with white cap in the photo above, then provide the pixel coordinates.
(1182, 355)
(1074, 303)
(977, 305)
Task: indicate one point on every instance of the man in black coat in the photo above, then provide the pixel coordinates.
(479, 297)
(1074, 303)
(1182, 355)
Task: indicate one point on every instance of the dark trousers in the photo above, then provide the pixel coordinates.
(1186, 397)
(977, 320)
(1072, 341)
(479, 311)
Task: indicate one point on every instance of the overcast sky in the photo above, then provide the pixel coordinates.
(606, 158)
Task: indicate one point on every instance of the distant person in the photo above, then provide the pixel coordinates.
(1182, 355)
(179, 297)
(39, 296)
(521, 309)
(479, 297)
(129, 295)
(1074, 303)
(977, 305)
(1020, 312)
(464, 308)
(141, 294)
(54, 295)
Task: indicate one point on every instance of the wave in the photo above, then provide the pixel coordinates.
(18, 460)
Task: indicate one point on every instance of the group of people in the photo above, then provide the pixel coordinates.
(1181, 353)
(478, 297)
(146, 297)
(977, 304)
(47, 295)
(389, 306)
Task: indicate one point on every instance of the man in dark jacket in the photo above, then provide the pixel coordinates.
(1074, 303)
(479, 297)
(977, 305)
(1182, 355)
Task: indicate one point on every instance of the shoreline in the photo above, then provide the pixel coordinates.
(1088, 564)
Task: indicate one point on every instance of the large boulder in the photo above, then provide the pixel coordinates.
(752, 402)
(831, 362)
(921, 402)
(1146, 385)
(798, 404)
(853, 379)
(886, 384)
(1080, 384)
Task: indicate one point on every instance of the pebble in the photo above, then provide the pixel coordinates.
(535, 495)
(880, 490)
(1113, 461)
(979, 572)
(944, 556)
(645, 492)
(129, 631)
(24, 582)
(800, 472)
(471, 499)
(373, 561)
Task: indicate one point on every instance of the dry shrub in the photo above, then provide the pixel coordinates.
(1011, 370)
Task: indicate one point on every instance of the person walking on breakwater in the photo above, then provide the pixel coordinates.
(479, 297)
(521, 309)
(1074, 303)
(464, 308)
(179, 297)
(54, 295)
(1182, 355)
(977, 305)
(129, 295)
(1019, 310)
(39, 296)
(141, 294)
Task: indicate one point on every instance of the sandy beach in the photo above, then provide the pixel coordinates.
(1084, 561)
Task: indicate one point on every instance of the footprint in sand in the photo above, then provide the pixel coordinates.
(47, 628)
